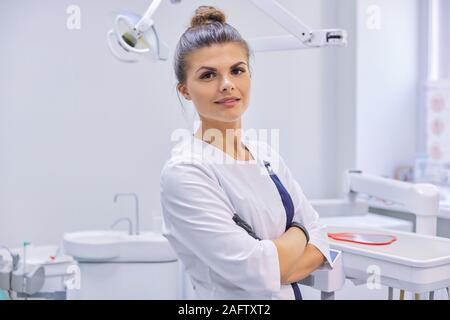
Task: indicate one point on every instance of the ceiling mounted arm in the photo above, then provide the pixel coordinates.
(301, 36)
(134, 36)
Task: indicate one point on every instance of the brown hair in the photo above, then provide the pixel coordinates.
(208, 27)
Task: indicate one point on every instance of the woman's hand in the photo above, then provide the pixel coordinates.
(290, 246)
(296, 258)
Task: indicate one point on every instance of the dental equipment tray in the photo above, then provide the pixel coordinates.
(416, 263)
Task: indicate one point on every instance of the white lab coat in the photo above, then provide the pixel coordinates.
(199, 196)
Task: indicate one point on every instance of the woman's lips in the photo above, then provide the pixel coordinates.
(229, 103)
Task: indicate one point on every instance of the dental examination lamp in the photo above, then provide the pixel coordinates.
(134, 37)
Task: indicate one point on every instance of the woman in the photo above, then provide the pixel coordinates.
(240, 234)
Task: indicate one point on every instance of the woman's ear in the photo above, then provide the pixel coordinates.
(183, 90)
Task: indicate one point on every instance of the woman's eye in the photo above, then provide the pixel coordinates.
(237, 70)
(206, 75)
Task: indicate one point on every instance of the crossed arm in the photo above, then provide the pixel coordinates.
(297, 259)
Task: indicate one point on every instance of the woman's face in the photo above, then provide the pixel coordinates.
(215, 73)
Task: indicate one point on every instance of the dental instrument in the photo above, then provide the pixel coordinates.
(25, 245)
(6, 269)
(36, 272)
(14, 257)
(135, 36)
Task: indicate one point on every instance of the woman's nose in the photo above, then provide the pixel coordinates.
(226, 84)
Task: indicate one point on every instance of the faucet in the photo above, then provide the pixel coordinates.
(136, 207)
(130, 224)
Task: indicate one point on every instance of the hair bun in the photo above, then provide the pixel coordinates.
(207, 15)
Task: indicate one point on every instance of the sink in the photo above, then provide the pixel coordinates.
(116, 246)
(97, 245)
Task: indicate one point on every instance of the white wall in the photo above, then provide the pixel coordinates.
(78, 126)
(377, 125)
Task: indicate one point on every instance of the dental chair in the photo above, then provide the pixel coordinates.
(418, 262)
